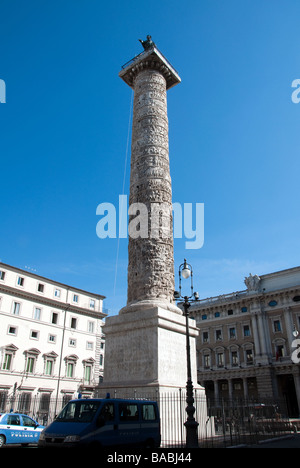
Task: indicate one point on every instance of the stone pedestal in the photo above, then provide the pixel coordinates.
(148, 350)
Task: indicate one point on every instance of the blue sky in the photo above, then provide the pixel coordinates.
(234, 134)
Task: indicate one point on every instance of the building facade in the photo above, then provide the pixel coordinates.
(247, 346)
(51, 341)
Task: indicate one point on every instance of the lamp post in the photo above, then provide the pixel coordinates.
(186, 271)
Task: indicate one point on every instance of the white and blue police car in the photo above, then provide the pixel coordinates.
(17, 428)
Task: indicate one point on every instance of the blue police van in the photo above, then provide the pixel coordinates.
(17, 428)
(104, 423)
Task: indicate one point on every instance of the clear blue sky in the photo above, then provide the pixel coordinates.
(234, 134)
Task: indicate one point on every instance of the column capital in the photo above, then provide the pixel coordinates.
(151, 58)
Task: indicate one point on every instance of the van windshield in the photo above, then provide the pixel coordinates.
(79, 411)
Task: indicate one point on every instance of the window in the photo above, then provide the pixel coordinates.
(128, 412)
(205, 337)
(204, 317)
(2, 275)
(12, 331)
(40, 287)
(89, 345)
(230, 312)
(73, 322)
(37, 313)
(56, 292)
(75, 298)
(16, 308)
(232, 333)
(52, 339)
(218, 335)
(217, 314)
(249, 356)
(92, 304)
(246, 330)
(101, 360)
(108, 412)
(48, 367)
(87, 374)
(54, 318)
(72, 342)
(7, 361)
(244, 309)
(13, 420)
(272, 303)
(220, 359)
(34, 334)
(30, 365)
(91, 327)
(277, 326)
(234, 359)
(70, 369)
(20, 281)
(148, 412)
(206, 361)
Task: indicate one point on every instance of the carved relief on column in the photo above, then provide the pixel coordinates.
(150, 264)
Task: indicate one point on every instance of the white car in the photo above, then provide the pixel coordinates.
(17, 428)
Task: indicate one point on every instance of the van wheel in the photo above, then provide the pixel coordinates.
(2, 440)
(149, 444)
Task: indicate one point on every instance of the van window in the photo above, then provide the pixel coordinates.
(128, 412)
(148, 412)
(79, 411)
(108, 412)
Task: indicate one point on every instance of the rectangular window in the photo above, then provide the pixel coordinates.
(73, 322)
(40, 287)
(277, 326)
(220, 359)
(57, 293)
(205, 337)
(20, 281)
(12, 330)
(128, 412)
(7, 361)
(234, 359)
(54, 318)
(91, 327)
(30, 365)
(70, 369)
(37, 313)
(148, 412)
(87, 374)
(249, 356)
(206, 361)
(52, 339)
(48, 367)
(34, 334)
(75, 298)
(232, 333)
(72, 342)
(2, 275)
(246, 329)
(89, 345)
(92, 304)
(218, 335)
(16, 308)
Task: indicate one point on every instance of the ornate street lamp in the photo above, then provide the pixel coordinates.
(186, 271)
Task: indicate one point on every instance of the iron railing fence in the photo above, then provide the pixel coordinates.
(228, 423)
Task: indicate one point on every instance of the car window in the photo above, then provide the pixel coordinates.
(128, 412)
(13, 420)
(28, 422)
(107, 412)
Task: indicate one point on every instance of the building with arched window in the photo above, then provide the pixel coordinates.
(247, 345)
